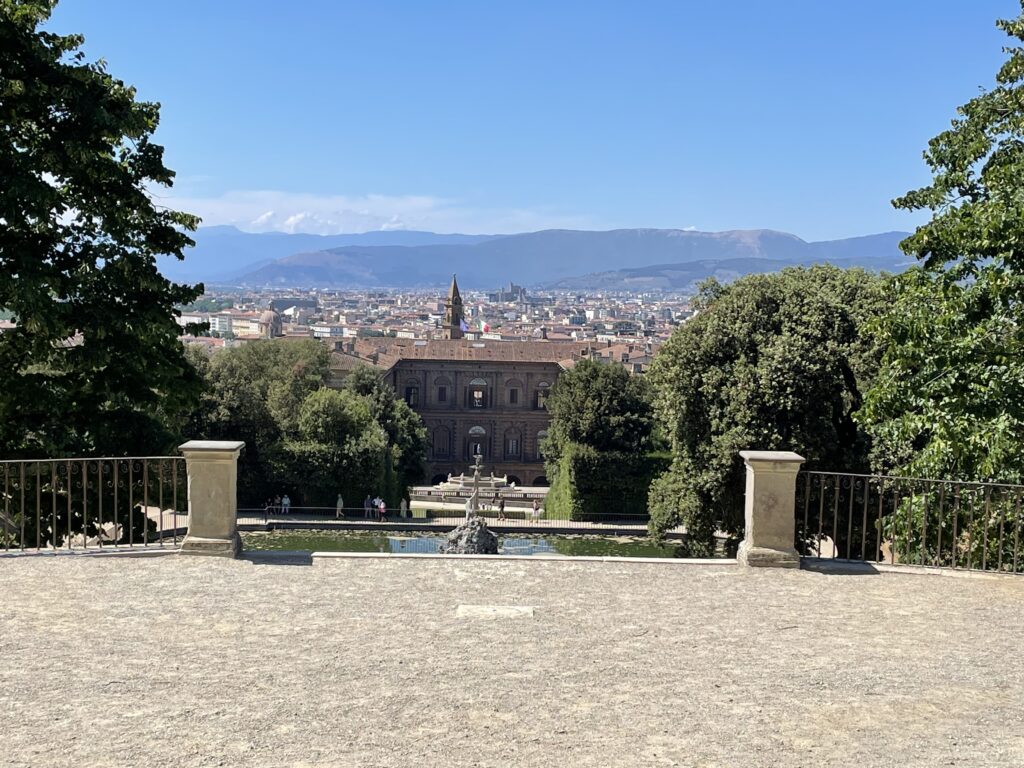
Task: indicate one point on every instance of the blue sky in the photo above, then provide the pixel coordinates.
(330, 116)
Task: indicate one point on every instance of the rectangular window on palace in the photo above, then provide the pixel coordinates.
(412, 396)
(442, 394)
(513, 396)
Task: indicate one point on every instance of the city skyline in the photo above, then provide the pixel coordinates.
(355, 117)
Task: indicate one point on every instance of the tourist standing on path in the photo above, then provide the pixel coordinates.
(286, 504)
(277, 504)
(404, 507)
(383, 511)
(501, 509)
(536, 509)
(339, 507)
(367, 506)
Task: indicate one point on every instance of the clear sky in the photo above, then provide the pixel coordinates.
(488, 116)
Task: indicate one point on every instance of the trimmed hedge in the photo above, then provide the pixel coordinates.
(589, 484)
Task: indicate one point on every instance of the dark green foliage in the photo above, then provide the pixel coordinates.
(94, 365)
(770, 362)
(301, 437)
(600, 405)
(949, 400)
(406, 434)
(595, 451)
(591, 485)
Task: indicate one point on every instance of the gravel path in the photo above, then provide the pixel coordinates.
(193, 662)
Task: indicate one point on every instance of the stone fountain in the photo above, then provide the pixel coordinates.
(473, 537)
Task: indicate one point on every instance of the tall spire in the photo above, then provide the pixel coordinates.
(453, 315)
(453, 292)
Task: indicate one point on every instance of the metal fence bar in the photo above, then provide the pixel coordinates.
(131, 503)
(117, 535)
(174, 501)
(807, 504)
(160, 498)
(924, 527)
(7, 508)
(1002, 521)
(69, 489)
(864, 521)
(85, 505)
(956, 523)
(984, 529)
(100, 482)
(923, 522)
(1016, 533)
(821, 513)
(88, 492)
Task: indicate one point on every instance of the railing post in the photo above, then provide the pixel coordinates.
(212, 468)
(769, 507)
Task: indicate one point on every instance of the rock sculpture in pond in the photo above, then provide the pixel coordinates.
(472, 537)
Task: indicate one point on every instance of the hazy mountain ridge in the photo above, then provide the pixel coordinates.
(685, 276)
(226, 253)
(573, 259)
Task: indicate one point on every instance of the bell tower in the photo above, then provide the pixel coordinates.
(454, 319)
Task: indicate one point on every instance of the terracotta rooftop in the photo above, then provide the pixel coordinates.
(389, 351)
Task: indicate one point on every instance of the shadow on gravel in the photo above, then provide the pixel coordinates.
(279, 557)
(838, 567)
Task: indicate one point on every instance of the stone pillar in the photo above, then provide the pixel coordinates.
(769, 509)
(212, 467)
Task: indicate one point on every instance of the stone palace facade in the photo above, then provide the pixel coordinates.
(485, 397)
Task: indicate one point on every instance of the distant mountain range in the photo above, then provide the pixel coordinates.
(629, 258)
(226, 253)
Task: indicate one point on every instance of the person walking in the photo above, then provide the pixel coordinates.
(286, 504)
(536, 510)
(404, 508)
(383, 508)
(277, 504)
(339, 507)
(367, 506)
(501, 509)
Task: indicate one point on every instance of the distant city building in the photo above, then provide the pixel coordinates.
(288, 302)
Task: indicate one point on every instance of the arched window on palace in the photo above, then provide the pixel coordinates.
(513, 391)
(540, 397)
(476, 444)
(478, 393)
(513, 444)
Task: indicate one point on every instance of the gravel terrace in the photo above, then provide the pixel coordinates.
(175, 661)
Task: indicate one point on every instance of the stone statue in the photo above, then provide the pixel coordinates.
(472, 537)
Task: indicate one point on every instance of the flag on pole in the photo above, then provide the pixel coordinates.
(484, 327)
(463, 326)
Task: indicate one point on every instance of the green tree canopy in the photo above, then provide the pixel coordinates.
(404, 428)
(595, 453)
(770, 362)
(949, 399)
(94, 363)
(598, 405)
(300, 436)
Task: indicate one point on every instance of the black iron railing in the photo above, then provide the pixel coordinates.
(910, 521)
(68, 504)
